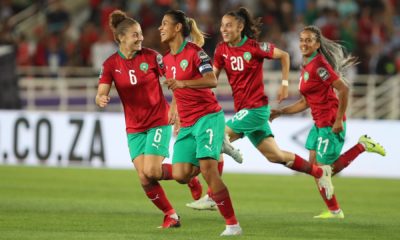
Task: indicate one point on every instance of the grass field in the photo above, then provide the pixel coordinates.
(71, 203)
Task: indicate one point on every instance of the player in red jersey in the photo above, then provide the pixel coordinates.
(198, 145)
(322, 73)
(135, 72)
(242, 58)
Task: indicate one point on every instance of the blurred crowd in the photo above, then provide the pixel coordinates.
(80, 36)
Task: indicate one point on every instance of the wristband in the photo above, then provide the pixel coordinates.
(285, 83)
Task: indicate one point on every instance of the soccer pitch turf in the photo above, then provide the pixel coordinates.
(80, 203)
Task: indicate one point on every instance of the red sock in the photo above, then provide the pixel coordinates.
(304, 166)
(346, 158)
(166, 171)
(331, 203)
(220, 168)
(156, 194)
(225, 207)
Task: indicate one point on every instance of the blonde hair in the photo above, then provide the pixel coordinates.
(189, 26)
(333, 52)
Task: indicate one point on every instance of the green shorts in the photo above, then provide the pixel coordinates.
(154, 141)
(252, 123)
(202, 140)
(327, 144)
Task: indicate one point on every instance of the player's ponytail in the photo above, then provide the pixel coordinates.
(189, 26)
(333, 52)
(119, 22)
(252, 27)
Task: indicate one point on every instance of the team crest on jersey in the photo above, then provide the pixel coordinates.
(184, 64)
(160, 61)
(306, 76)
(247, 56)
(323, 73)
(144, 67)
(264, 46)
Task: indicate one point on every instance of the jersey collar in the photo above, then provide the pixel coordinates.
(122, 55)
(244, 39)
(310, 58)
(181, 47)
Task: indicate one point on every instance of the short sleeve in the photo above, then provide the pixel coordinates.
(203, 62)
(160, 64)
(105, 74)
(265, 50)
(218, 58)
(326, 73)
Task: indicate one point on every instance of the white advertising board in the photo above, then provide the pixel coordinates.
(99, 140)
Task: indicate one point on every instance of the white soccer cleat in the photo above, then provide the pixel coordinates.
(232, 230)
(325, 181)
(231, 151)
(204, 203)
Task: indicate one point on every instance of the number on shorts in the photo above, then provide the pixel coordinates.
(210, 132)
(325, 142)
(157, 136)
(240, 115)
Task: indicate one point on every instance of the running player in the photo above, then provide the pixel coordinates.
(135, 72)
(198, 145)
(322, 74)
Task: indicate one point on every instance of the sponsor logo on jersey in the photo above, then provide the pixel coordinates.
(247, 56)
(323, 73)
(144, 67)
(264, 46)
(184, 64)
(306, 75)
(160, 61)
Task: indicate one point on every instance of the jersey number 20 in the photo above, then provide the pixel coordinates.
(237, 63)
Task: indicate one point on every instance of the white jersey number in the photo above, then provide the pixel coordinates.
(132, 77)
(237, 63)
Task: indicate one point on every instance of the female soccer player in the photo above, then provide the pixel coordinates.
(135, 72)
(322, 73)
(198, 145)
(242, 58)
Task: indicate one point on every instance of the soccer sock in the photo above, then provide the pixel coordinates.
(331, 203)
(346, 158)
(166, 171)
(220, 169)
(225, 207)
(302, 165)
(156, 194)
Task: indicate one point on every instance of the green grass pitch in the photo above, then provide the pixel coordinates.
(79, 203)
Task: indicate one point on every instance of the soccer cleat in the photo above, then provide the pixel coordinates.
(195, 188)
(232, 230)
(325, 181)
(231, 151)
(371, 145)
(328, 214)
(204, 203)
(170, 222)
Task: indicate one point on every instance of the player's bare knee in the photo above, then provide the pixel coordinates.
(181, 178)
(153, 173)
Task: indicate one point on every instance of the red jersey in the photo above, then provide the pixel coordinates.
(138, 86)
(243, 65)
(316, 86)
(189, 63)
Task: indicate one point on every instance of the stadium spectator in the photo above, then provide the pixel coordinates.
(199, 141)
(322, 73)
(135, 72)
